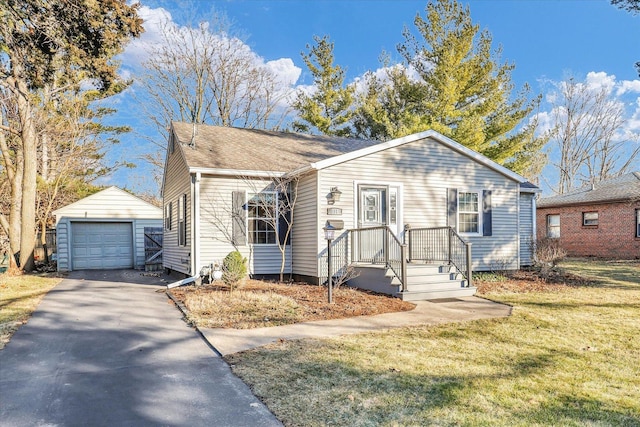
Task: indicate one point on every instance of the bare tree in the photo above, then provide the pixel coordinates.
(587, 130)
(203, 74)
(276, 204)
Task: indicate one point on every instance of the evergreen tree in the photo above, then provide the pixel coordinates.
(329, 108)
(452, 83)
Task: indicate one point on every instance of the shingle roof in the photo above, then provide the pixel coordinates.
(228, 148)
(621, 188)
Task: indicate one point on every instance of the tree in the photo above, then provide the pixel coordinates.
(37, 40)
(587, 131)
(633, 7)
(204, 75)
(452, 83)
(329, 108)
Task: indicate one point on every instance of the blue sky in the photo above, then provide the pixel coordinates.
(547, 40)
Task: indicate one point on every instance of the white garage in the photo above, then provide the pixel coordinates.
(104, 231)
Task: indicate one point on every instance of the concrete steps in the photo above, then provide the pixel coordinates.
(424, 282)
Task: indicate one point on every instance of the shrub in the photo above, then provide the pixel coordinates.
(234, 269)
(548, 254)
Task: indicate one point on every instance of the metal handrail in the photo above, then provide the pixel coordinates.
(440, 244)
(383, 248)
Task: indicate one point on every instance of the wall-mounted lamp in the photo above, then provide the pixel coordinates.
(334, 195)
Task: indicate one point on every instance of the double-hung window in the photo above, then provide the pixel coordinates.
(262, 217)
(589, 218)
(469, 213)
(168, 211)
(182, 214)
(553, 226)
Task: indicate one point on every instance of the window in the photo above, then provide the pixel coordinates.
(589, 218)
(469, 212)
(261, 218)
(553, 226)
(168, 211)
(637, 222)
(182, 214)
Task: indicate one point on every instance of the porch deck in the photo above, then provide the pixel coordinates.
(434, 263)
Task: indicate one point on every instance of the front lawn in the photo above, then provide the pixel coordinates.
(19, 297)
(567, 356)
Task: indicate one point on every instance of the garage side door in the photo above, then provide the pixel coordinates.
(101, 245)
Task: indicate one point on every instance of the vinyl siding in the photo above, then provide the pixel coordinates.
(306, 227)
(526, 229)
(109, 205)
(216, 227)
(177, 181)
(426, 168)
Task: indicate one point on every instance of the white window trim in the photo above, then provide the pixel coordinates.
(584, 219)
(479, 213)
(248, 195)
(182, 208)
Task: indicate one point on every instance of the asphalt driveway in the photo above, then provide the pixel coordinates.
(106, 348)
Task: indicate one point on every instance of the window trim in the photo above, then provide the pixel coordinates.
(594, 222)
(478, 212)
(549, 227)
(249, 218)
(638, 223)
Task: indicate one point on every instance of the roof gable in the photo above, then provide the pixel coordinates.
(237, 151)
(622, 188)
(109, 195)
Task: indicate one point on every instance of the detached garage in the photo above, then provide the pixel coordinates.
(104, 231)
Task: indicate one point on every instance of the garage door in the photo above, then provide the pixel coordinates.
(101, 245)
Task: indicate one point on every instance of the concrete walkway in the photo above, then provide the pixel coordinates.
(107, 348)
(228, 341)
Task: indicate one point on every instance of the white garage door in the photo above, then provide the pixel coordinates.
(101, 245)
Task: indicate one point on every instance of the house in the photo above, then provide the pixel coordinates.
(105, 230)
(423, 194)
(601, 220)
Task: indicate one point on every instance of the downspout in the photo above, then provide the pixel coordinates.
(195, 229)
(519, 197)
(534, 229)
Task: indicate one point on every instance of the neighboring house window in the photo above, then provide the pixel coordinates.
(182, 214)
(261, 216)
(168, 211)
(637, 222)
(589, 218)
(553, 226)
(469, 212)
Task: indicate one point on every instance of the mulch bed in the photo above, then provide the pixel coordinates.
(529, 280)
(348, 302)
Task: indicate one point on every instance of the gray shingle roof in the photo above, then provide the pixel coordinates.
(226, 148)
(621, 188)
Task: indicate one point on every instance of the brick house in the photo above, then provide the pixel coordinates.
(600, 221)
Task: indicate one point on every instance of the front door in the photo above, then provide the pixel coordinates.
(378, 206)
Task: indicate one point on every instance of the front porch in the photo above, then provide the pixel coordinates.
(431, 263)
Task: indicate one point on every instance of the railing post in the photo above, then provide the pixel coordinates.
(450, 243)
(469, 269)
(407, 241)
(353, 246)
(385, 237)
(403, 266)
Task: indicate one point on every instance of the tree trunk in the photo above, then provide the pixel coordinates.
(29, 175)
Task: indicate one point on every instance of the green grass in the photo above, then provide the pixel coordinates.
(564, 358)
(19, 297)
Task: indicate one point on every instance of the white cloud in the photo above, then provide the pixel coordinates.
(288, 74)
(600, 80)
(628, 86)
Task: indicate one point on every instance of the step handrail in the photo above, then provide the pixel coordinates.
(386, 248)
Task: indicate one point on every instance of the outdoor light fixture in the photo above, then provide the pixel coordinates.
(334, 195)
(329, 234)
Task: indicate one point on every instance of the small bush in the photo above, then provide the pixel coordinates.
(548, 254)
(234, 269)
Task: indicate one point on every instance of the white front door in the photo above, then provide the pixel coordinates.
(379, 205)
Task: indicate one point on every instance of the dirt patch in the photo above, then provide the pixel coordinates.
(530, 280)
(309, 302)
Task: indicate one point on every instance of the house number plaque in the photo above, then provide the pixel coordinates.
(334, 211)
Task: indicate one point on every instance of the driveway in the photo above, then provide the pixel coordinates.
(107, 348)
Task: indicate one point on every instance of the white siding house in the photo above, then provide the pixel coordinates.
(104, 231)
(423, 183)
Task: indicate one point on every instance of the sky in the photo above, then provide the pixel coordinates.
(547, 41)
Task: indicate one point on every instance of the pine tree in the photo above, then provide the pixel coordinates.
(329, 108)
